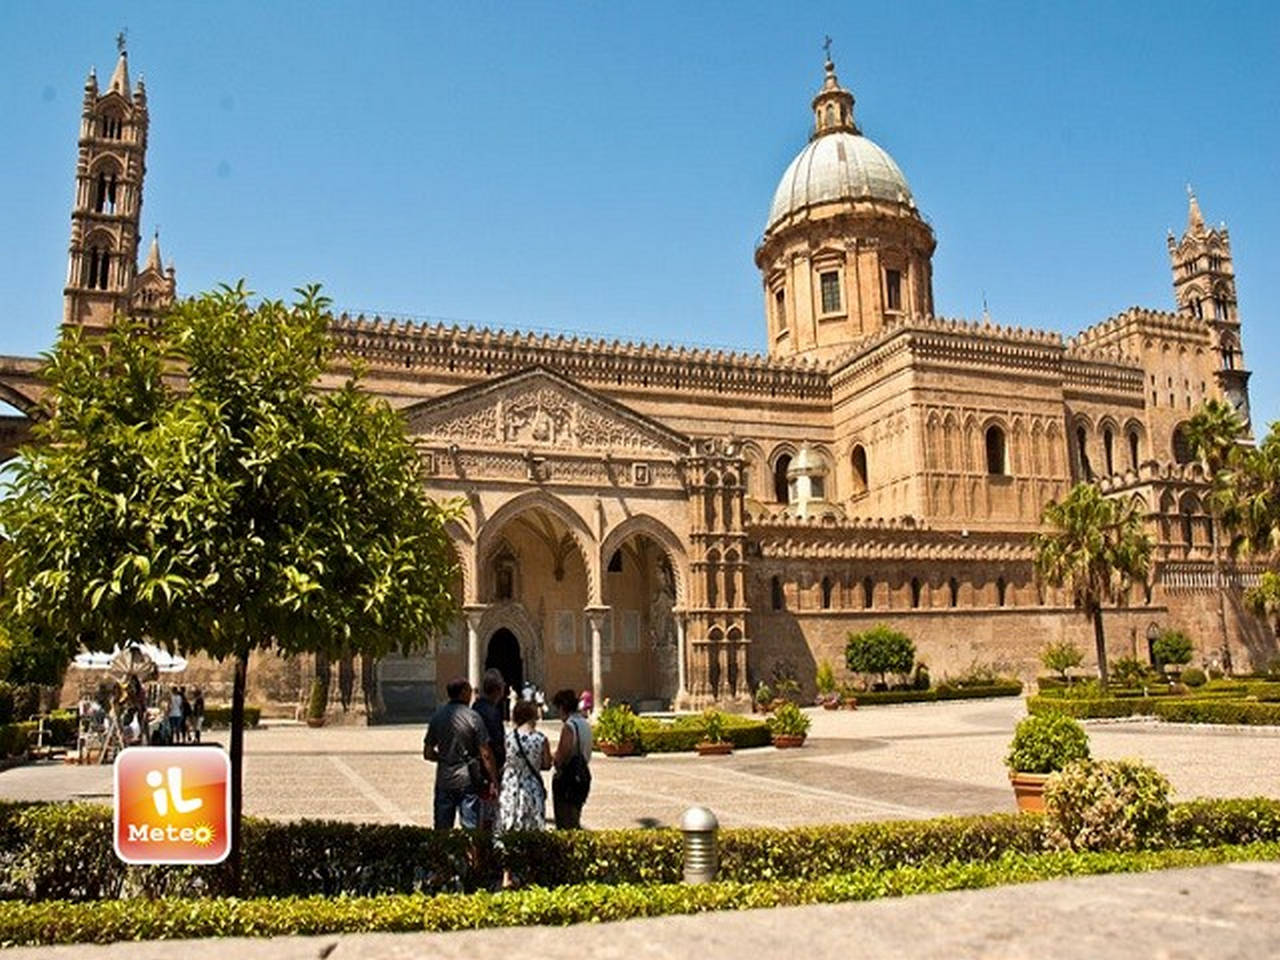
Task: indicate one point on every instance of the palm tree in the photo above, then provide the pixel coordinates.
(1096, 547)
(1213, 435)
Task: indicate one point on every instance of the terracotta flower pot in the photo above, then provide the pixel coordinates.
(1028, 790)
(851, 703)
(627, 749)
(706, 748)
(315, 721)
(788, 741)
(831, 704)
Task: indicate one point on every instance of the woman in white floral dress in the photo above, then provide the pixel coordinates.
(522, 802)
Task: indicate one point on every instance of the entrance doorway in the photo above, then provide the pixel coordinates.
(504, 655)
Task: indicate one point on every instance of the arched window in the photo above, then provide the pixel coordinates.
(826, 593)
(96, 270)
(1187, 510)
(1001, 591)
(915, 593)
(1082, 452)
(1108, 448)
(780, 308)
(1133, 449)
(775, 589)
(1181, 446)
(780, 486)
(831, 115)
(860, 479)
(104, 192)
(953, 591)
(997, 458)
(868, 593)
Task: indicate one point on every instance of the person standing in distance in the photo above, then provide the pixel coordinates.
(458, 744)
(571, 782)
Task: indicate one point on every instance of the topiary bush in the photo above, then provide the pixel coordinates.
(880, 650)
(1107, 805)
(221, 717)
(1047, 743)
(617, 725)
(1061, 657)
(1172, 647)
(1194, 677)
(1129, 671)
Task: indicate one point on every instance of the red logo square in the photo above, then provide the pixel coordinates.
(172, 805)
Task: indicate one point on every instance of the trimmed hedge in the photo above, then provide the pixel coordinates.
(1172, 709)
(872, 698)
(64, 852)
(142, 919)
(60, 731)
(221, 717)
(683, 734)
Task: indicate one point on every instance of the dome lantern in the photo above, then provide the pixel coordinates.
(833, 106)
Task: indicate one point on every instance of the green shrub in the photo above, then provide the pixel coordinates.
(221, 716)
(1194, 677)
(1209, 823)
(1172, 647)
(1044, 744)
(789, 721)
(1218, 711)
(684, 733)
(1061, 657)
(14, 739)
(1107, 707)
(764, 694)
(713, 725)
(1107, 805)
(146, 919)
(825, 678)
(1129, 671)
(869, 698)
(616, 724)
(880, 650)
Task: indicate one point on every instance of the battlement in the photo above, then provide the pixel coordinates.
(1140, 321)
(899, 538)
(395, 344)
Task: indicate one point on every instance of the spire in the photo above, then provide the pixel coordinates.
(1195, 219)
(153, 256)
(120, 78)
(833, 106)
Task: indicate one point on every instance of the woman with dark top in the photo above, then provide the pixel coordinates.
(572, 780)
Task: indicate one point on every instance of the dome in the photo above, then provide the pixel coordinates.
(839, 165)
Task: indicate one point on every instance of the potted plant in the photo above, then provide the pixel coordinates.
(789, 726)
(617, 731)
(1042, 745)
(316, 704)
(849, 696)
(764, 697)
(825, 681)
(713, 742)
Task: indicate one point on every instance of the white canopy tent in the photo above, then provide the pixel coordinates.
(99, 660)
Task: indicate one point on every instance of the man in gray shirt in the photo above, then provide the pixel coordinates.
(457, 743)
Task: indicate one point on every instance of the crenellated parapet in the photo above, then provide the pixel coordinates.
(390, 343)
(1141, 323)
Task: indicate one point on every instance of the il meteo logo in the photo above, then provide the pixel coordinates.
(172, 805)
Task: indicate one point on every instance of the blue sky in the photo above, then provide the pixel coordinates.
(606, 167)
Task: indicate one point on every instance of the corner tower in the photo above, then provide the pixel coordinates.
(1204, 286)
(107, 208)
(844, 250)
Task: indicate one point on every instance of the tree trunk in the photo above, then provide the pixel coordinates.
(1101, 641)
(237, 765)
(1219, 587)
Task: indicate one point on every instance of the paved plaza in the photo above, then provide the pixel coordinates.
(879, 763)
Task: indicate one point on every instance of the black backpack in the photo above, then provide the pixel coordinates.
(574, 781)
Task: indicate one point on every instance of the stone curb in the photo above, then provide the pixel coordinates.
(1206, 729)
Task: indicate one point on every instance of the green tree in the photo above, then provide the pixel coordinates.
(881, 650)
(193, 486)
(1173, 647)
(1213, 434)
(1096, 548)
(1061, 657)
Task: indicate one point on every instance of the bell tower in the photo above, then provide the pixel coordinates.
(106, 210)
(1204, 285)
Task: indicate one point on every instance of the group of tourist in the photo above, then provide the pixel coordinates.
(185, 716)
(489, 777)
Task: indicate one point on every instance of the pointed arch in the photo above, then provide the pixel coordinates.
(531, 501)
(661, 534)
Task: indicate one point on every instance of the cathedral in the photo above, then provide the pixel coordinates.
(668, 526)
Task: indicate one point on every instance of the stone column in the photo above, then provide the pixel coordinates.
(682, 670)
(473, 614)
(595, 617)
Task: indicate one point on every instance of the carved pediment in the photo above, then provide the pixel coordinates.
(539, 409)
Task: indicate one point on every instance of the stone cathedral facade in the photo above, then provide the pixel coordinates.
(670, 525)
